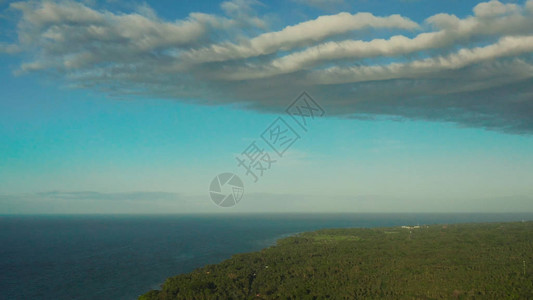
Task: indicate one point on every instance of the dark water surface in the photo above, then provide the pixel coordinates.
(121, 257)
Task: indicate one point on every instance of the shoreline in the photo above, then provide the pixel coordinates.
(331, 238)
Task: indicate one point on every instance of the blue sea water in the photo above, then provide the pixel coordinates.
(121, 257)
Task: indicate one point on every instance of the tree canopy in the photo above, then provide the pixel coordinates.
(431, 262)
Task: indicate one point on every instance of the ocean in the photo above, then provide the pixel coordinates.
(124, 256)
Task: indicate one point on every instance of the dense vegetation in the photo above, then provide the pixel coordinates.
(491, 261)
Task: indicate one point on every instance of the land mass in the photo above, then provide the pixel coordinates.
(490, 260)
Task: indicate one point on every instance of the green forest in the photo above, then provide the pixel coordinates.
(461, 261)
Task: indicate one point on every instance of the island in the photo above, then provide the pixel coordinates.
(454, 261)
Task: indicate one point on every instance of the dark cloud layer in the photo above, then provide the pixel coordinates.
(475, 71)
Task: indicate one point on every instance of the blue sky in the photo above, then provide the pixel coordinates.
(100, 116)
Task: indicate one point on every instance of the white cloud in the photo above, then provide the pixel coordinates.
(494, 8)
(452, 31)
(507, 46)
(297, 35)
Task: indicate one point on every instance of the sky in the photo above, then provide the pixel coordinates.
(136, 106)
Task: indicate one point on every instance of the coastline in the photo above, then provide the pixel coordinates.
(136, 253)
(210, 281)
